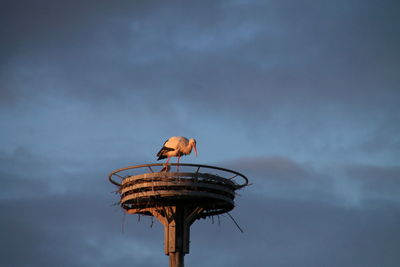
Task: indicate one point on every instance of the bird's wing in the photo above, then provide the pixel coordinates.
(163, 150)
(173, 142)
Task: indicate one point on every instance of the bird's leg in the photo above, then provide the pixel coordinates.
(166, 165)
(177, 167)
(166, 168)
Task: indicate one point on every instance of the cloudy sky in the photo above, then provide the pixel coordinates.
(300, 96)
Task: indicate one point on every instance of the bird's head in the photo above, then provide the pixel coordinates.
(192, 142)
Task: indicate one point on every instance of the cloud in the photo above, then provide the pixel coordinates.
(377, 182)
(291, 214)
(350, 185)
(76, 230)
(283, 178)
(274, 72)
(204, 55)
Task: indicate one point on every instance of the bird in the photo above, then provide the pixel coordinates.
(176, 146)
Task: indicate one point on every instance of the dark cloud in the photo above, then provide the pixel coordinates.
(71, 230)
(308, 233)
(84, 230)
(284, 178)
(378, 182)
(356, 185)
(291, 214)
(248, 55)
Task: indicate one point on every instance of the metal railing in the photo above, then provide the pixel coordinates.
(198, 168)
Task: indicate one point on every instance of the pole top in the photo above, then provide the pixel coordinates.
(143, 188)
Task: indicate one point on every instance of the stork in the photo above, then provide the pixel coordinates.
(176, 146)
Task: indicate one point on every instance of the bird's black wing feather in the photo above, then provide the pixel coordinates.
(163, 150)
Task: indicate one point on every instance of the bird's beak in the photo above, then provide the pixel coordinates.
(195, 150)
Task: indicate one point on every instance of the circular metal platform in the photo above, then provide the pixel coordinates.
(210, 188)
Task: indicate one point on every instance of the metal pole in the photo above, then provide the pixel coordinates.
(177, 243)
(176, 259)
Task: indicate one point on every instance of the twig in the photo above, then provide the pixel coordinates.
(235, 222)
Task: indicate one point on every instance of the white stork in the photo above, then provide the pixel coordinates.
(176, 146)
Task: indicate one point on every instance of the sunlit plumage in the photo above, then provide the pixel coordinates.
(176, 146)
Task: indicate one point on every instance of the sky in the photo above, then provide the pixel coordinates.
(300, 96)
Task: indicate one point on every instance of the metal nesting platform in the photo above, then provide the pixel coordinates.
(142, 192)
(178, 198)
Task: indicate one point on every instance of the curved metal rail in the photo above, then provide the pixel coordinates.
(116, 173)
